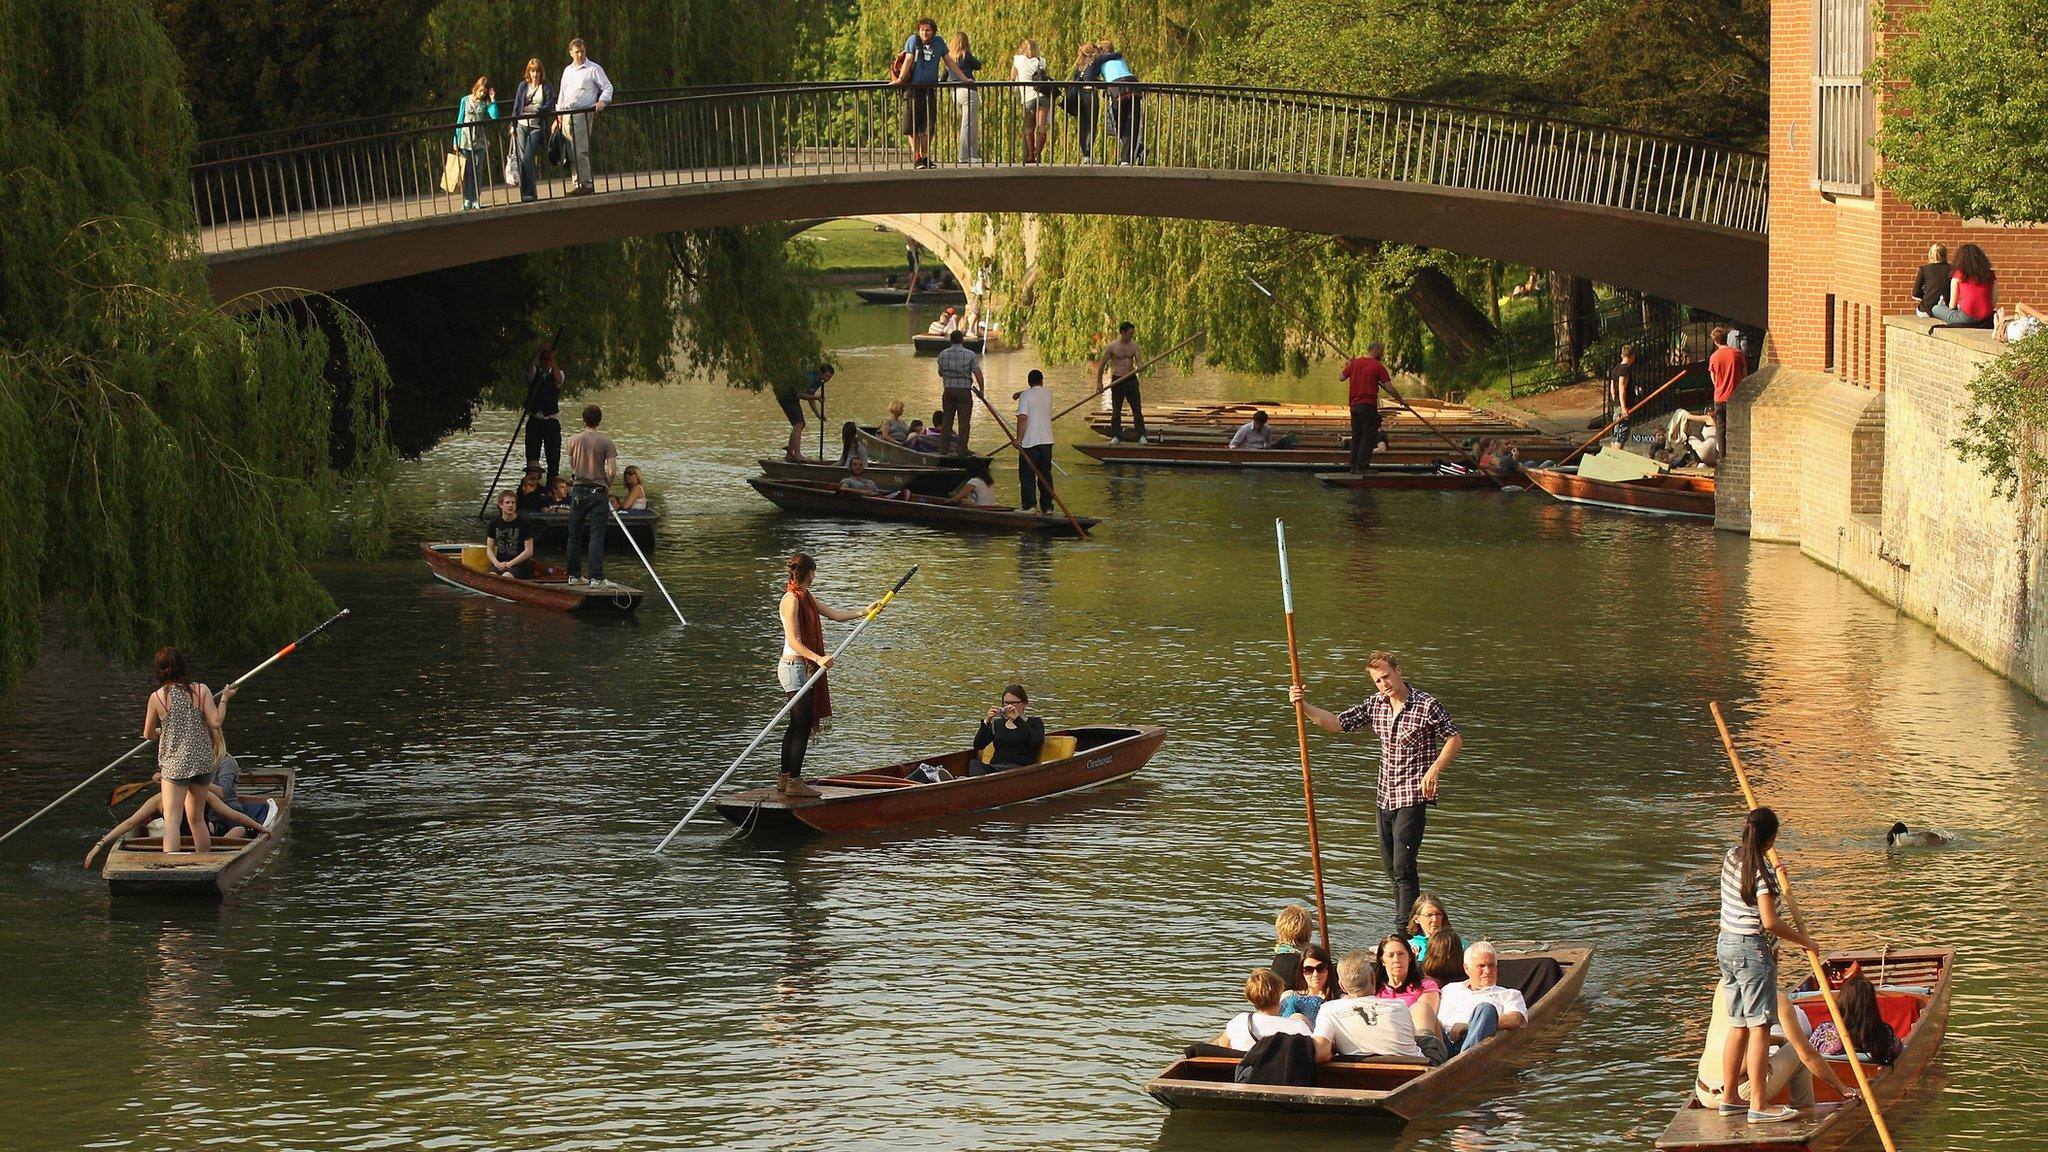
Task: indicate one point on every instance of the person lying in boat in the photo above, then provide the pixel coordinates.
(1792, 1066)
(856, 480)
(927, 437)
(1262, 990)
(533, 494)
(1476, 1007)
(510, 539)
(894, 428)
(947, 323)
(1291, 930)
(1018, 738)
(559, 498)
(1253, 433)
(1875, 1041)
(1363, 1023)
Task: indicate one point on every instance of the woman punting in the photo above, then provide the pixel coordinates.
(803, 652)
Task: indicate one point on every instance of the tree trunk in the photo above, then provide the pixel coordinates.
(1572, 320)
(1458, 324)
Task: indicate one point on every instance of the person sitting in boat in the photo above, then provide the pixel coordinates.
(1400, 978)
(856, 479)
(947, 323)
(510, 540)
(975, 493)
(558, 500)
(1253, 433)
(1018, 738)
(1476, 1007)
(1364, 1024)
(894, 428)
(849, 445)
(1438, 948)
(533, 493)
(635, 499)
(1793, 1064)
(1291, 930)
(1262, 990)
(1319, 985)
(930, 439)
(227, 816)
(1875, 1041)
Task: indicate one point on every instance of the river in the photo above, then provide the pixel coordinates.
(468, 942)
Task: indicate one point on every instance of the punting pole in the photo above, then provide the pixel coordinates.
(1308, 783)
(789, 704)
(1503, 481)
(1820, 976)
(982, 396)
(132, 752)
(1101, 388)
(1626, 412)
(621, 522)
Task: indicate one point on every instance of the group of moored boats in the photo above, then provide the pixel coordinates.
(921, 487)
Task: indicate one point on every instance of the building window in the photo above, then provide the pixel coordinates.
(1842, 121)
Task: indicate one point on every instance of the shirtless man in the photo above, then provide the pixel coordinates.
(1120, 357)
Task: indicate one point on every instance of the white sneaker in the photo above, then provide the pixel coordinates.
(1087, 159)
(1777, 1115)
(576, 581)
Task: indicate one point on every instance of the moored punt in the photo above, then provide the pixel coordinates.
(817, 499)
(928, 344)
(921, 480)
(881, 450)
(551, 527)
(1215, 456)
(901, 295)
(1913, 997)
(137, 866)
(549, 587)
(1670, 494)
(1428, 481)
(1073, 759)
(1396, 1090)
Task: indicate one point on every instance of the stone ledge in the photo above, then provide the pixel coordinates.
(1978, 340)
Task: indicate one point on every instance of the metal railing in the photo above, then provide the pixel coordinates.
(335, 180)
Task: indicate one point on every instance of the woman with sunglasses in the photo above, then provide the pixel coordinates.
(1017, 738)
(1319, 981)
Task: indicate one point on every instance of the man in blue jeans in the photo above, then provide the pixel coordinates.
(593, 460)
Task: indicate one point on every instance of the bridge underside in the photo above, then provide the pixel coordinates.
(1721, 270)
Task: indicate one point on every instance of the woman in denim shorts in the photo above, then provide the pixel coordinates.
(1748, 958)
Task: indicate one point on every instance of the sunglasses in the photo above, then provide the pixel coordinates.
(1009, 703)
(1307, 968)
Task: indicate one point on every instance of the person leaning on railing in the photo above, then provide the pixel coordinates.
(585, 90)
(534, 105)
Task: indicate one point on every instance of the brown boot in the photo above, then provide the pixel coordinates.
(795, 788)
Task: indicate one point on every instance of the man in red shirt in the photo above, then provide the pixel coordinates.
(1726, 366)
(1365, 374)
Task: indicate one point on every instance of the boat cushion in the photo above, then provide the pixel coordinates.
(1614, 464)
(1055, 748)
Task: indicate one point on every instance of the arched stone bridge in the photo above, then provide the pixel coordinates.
(1676, 218)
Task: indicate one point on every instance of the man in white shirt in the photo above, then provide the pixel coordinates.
(584, 90)
(1475, 1008)
(1034, 436)
(959, 373)
(1253, 433)
(1364, 1024)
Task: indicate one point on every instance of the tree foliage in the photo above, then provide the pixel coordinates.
(2006, 429)
(1965, 127)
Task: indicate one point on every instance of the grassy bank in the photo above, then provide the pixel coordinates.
(855, 246)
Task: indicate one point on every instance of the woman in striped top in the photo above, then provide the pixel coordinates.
(1749, 962)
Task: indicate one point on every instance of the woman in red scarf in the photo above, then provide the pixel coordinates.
(803, 652)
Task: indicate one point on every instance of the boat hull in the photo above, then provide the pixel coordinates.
(1830, 1125)
(1387, 1091)
(1285, 459)
(1430, 481)
(930, 345)
(137, 865)
(902, 295)
(883, 451)
(548, 589)
(828, 500)
(921, 480)
(1666, 495)
(861, 801)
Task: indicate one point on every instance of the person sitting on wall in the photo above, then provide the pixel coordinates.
(1972, 291)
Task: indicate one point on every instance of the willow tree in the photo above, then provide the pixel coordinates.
(174, 474)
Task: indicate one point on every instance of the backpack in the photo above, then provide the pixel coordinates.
(1287, 1059)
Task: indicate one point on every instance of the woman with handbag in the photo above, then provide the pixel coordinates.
(470, 141)
(534, 106)
(1027, 67)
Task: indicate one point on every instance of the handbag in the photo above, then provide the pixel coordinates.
(451, 173)
(512, 163)
(899, 70)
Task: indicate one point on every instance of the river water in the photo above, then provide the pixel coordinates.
(468, 943)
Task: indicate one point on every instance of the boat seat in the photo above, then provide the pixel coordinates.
(1055, 748)
(476, 557)
(1900, 1008)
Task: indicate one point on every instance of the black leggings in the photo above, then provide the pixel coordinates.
(544, 435)
(796, 739)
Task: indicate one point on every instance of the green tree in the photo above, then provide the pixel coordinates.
(1965, 127)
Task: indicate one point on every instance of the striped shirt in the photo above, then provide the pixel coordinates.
(1738, 916)
(1409, 742)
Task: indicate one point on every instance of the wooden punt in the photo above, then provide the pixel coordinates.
(137, 866)
(881, 450)
(549, 587)
(1913, 996)
(1292, 459)
(814, 499)
(1376, 1088)
(883, 798)
(930, 345)
(921, 480)
(1670, 494)
(1426, 481)
(551, 527)
(902, 295)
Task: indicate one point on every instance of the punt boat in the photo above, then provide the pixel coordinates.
(888, 295)
(1912, 996)
(928, 344)
(137, 866)
(1073, 759)
(1378, 1087)
(817, 499)
(919, 479)
(549, 588)
(1311, 459)
(551, 526)
(1429, 481)
(882, 450)
(1669, 494)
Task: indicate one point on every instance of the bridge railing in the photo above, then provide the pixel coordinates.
(333, 179)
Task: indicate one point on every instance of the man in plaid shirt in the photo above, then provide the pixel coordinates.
(1417, 740)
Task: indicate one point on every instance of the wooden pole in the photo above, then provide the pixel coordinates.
(1625, 414)
(982, 396)
(1100, 389)
(1820, 976)
(1308, 783)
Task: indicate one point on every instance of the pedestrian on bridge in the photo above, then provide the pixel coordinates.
(1027, 67)
(967, 99)
(585, 90)
(481, 104)
(1082, 103)
(534, 105)
(918, 68)
(1126, 109)
(960, 375)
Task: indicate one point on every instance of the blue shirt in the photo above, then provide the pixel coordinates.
(1301, 1002)
(927, 61)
